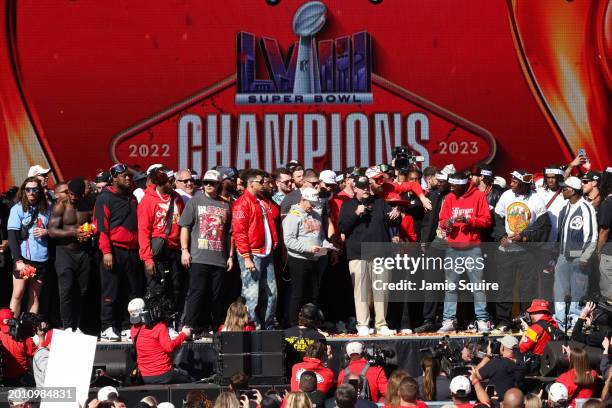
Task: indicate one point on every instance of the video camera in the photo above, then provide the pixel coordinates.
(523, 316)
(26, 326)
(404, 158)
(448, 356)
(377, 356)
(157, 308)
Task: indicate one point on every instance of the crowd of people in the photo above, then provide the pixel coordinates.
(84, 249)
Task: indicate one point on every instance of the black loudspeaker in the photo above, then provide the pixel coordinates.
(114, 363)
(259, 354)
(554, 362)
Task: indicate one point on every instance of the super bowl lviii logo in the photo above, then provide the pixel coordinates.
(332, 71)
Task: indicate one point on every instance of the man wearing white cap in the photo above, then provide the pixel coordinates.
(558, 395)
(460, 388)
(205, 249)
(140, 192)
(303, 235)
(577, 238)
(377, 380)
(42, 175)
(502, 371)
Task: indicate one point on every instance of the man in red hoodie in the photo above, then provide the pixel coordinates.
(313, 361)
(159, 235)
(463, 215)
(254, 232)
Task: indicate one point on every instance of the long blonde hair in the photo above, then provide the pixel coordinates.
(298, 399)
(533, 401)
(227, 400)
(237, 317)
(392, 397)
(431, 371)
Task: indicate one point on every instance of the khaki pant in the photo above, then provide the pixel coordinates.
(605, 276)
(362, 277)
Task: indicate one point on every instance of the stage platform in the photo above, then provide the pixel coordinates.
(199, 357)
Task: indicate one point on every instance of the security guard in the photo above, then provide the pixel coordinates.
(543, 329)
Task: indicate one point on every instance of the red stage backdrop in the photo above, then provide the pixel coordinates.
(332, 83)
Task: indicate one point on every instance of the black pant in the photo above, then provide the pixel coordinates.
(119, 285)
(202, 279)
(73, 269)
(171, 275)
(305, 279)
(174, 376)
(523, 264)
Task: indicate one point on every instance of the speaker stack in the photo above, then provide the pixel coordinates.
(258, 354)
(554, 362)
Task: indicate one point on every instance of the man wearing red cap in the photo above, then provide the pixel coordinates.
(15, 355)
(542, 330)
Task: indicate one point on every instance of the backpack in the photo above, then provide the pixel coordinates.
(364, 389)
(554, 332)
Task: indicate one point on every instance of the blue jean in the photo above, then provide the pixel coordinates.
(473, 274)
(259, 288)
(569, 281)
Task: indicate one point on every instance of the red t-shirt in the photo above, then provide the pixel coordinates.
(418, 404)
(325, 376)
(377, 380)
(154, 348)
(568, 379)
(248, 327)
(16, 355)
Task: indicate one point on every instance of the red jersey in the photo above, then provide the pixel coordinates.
(568, 379)
(154, 348)
(536, 337)
(325, 376)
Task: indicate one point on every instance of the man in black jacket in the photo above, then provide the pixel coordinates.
(433, 244)
(366, 219)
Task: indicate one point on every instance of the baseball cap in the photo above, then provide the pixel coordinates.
(135, 308)
(227, 172)
(354, 347)
(362, 182)
(340, 178)
(592, 176)
(557, 392)
(311, 311)
(508, 341)
(500, 181)
(328, 177)
(212, 175)
(103, 177)
(105, 392)
(37, 170)
(153, 167)
(460, 386)
(311, 195)
(448, 169)
(572, 182)
(373, 172)
(165, 405)
(539, 305)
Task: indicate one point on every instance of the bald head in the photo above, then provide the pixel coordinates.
(513, 398)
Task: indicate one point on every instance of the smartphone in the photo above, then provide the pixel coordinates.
(582, 152)
(250, 394)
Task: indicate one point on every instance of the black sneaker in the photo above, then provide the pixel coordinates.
(427, 327)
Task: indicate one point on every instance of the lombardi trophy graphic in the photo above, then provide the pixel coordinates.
(308, 20)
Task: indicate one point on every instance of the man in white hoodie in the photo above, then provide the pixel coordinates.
(303, 234)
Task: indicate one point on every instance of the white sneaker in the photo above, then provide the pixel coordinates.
(406, 331)
(109, 335)
(385, 331)
(483, 326)
(363, 331)
(447, 326)
(172, 333)
(126, 335)
(78, 331)
(371, 331)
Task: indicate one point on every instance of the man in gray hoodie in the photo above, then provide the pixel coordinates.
(303, 234)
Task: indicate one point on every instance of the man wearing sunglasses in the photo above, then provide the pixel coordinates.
(42, 175)
(520, 217)
(590, 188)
(254, 232)
(116, 223)
(310, 179)
(578, 240)
(186, 185)
(73, 259)
(282, 179)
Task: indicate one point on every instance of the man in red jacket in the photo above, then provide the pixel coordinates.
(313, 361)
(15, 355)
(116, 224)
(463, 215)
(537, 336)
(159, 235)
(377, 380)
(255, 236)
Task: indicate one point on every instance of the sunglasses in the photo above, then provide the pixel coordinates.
(118, 169)
(286, 182)
(209, 183)
(257, 181)
(189, 180)
(31, 190)
(313, 182)
(586, 181)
